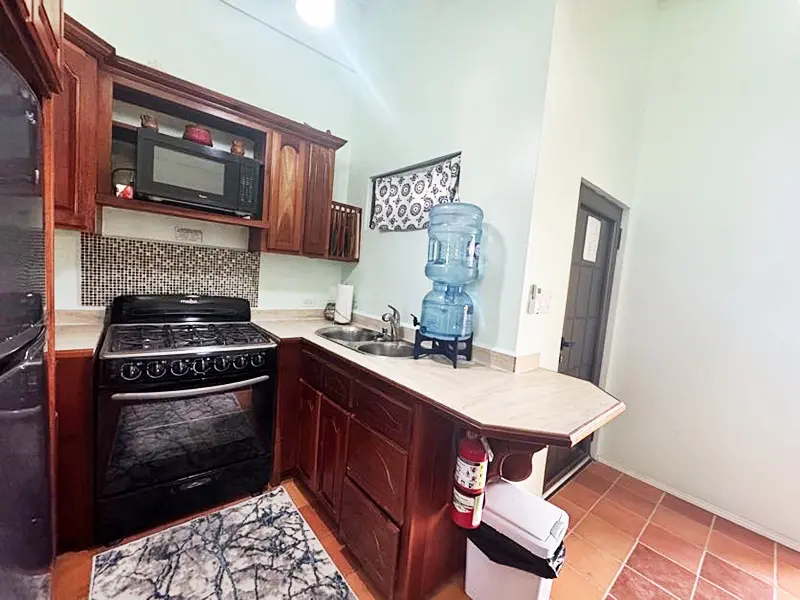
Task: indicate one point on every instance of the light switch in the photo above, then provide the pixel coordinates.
(539, 301)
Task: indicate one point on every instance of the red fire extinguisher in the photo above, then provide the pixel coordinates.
(469, 480)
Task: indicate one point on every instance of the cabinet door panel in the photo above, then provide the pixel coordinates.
(48, 24)
(371, 537)
(378, 467)
(289, 159)
(319, 193)
(74, 143)
(307, 435)
(333, 424)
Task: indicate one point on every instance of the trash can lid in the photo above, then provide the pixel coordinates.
(532, 522)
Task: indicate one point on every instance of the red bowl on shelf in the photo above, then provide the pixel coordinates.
(198, 134)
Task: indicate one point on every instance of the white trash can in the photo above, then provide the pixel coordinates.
(518, 549)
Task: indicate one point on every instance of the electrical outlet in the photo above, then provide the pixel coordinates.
(184, 234)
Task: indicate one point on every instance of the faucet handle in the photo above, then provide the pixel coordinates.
(395, 314)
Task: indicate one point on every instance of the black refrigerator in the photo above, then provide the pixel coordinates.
(26, 536)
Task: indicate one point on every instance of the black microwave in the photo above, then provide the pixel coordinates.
(175, 170)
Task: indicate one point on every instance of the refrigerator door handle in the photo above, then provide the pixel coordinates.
(22, 413)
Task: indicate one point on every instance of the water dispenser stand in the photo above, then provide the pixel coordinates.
(451, 349)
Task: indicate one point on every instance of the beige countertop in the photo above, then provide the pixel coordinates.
(539, 403)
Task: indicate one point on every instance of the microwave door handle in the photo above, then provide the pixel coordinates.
(178, 394)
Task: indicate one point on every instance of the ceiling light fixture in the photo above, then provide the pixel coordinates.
(317, 13)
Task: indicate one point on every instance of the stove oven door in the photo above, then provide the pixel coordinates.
(164, 454)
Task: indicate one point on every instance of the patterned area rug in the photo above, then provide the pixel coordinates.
(259, 549)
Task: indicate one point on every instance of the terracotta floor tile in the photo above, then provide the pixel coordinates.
(788, 556)
(613, 513)
(673, 547)
(604, 471)
(571, 585)
(318, 526)
(645, 490)
(658, 569)
(681, 526)
(742, 556)
(789, 578)
(633, 502)
(451, 591)
(631, 586)
(589, 561)
(745, 536)
(786, 596)
(574, 511)
(708, 591)
(695, 513)
(72, 574)
(734, 580)
(295, 493)
(611, 540)
(579, 495)
(360, 587)
(594, 482)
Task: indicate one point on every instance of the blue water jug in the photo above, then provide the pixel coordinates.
(447, 312)
(454, 242)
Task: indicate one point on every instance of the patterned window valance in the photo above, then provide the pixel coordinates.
(401, 200)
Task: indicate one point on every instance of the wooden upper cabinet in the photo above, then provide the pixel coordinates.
(35, 35)
(319, 193)
(331, 460)
(48, 25)
(288, 164)
(75, 141)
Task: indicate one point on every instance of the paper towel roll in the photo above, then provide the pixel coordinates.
(344, 304)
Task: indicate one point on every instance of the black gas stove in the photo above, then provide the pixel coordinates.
(185, 409)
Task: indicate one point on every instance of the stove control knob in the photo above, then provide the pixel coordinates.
(201, 365)
(131, 371)
(179, 367)
(240, 362)
(157, 369)
(222, 364)
(257, 360)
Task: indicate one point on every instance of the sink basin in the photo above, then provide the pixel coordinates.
(348, 333)
(393, 349)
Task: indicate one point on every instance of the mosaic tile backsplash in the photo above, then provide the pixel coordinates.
(114, 266)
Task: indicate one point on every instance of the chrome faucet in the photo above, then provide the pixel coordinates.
(393, 319)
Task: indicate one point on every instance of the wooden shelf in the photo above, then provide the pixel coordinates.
(177, 211)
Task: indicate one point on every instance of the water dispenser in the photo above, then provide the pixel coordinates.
(454, 241)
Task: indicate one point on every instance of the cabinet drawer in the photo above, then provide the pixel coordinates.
(382, 414)
(336, 385)
(379, 467)
(372, 538)
(311, 370)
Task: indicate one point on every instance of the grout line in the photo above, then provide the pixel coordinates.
(775, 571)
(596, 502)
(636, 543)
(703, 556)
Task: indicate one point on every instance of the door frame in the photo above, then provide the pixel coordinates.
(603, 205)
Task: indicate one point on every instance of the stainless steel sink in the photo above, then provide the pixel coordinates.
(392, 349)
(348, 333)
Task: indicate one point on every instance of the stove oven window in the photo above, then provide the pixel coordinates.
(168, 440)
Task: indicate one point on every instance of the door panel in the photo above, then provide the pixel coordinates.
(287, 193)
(319, 194)
(307, 435)
(333, 424)
(586, 312)
(74, 145)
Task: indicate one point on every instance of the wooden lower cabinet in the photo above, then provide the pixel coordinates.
(380, 463)
(307, 435)
(333, 426)
(370, 536)
(74, 451)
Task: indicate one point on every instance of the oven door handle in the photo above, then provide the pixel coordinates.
(176, 394)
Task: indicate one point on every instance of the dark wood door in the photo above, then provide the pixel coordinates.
(332, 454)
(597, 235)
(74, 143)
(307, 432)
(289, 159)
(319, 193)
